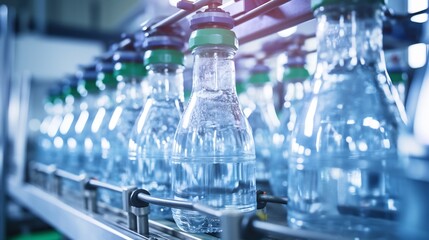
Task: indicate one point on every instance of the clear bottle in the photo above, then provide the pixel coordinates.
(344, 147)
(246, 103)
(53, 107)
(88, 123)
(295, 81)
(106, 103)
(64, 139)
(130, 97)
(157, 124)
(263, 120)
(414, 149)
(213, 157)
(66, 151)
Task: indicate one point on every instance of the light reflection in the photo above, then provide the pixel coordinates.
(308, 124)
(363, 146)
(54, 126)
(371, 122)
(115, 118)
(58, 142)
(71, 143)
(66, 124)
(81, 121)
(98, 120)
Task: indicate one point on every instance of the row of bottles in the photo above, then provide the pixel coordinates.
(332, 152)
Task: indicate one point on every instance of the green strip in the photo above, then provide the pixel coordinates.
(187, 94)
(240, 87)
(39, 236)
(129, 70)
(295, 73)
(167, 56)
(72, 91)
(258, 78)
(213, 36)
(396, 77)
(91, 86)
(107, 79)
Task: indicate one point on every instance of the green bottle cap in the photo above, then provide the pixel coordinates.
(397, 77)
(107, 79)
(167, 56)
(90, 85)
(292, 73)
(319, 3)
(240, 87)
(213, 36)
(187, 94)
(72, 91)
(259, 78)
(129, 69)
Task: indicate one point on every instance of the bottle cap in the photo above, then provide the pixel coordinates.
(105, 68)
(213, 36)
(70, 88)
(320, 3)
(212, 18)
(259, 78)
(259, 74)
(129, 69)
(127, 52)
(87, 78)
(240, 86)
(295, 73)
(167, 56)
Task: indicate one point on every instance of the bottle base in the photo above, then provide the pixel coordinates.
(195, 222)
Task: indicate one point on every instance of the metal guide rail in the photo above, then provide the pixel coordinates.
(133, 218)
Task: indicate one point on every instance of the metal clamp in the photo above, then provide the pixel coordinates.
(141, 210)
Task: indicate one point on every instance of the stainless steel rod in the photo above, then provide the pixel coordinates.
(179, 204)
(99, 184)
(272, 199)
(69, 176)
(258, 11)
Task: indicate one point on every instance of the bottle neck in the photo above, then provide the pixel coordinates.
(261, 93)
(349, 36)
(107, 98)
(166, 81)
(214, 68)
(130, 94)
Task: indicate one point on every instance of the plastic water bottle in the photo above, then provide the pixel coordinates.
(129, 72)
(105, 103)
(414, 148)
(50, 124)
(262, 119)
(88, 122)
(160, 116)
(344, 146)
(64, 139)
(213, 157)
(296, 86)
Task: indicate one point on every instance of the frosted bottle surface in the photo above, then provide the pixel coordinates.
(213, 159)
(343, 156)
